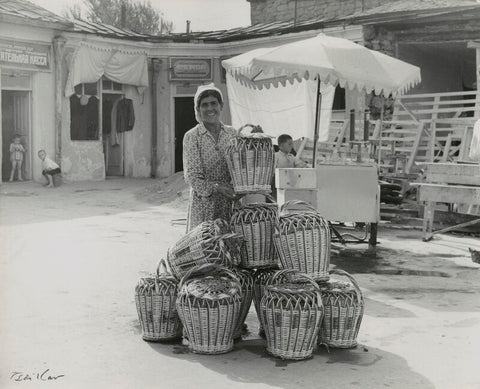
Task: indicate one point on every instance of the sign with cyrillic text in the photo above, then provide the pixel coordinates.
(25, 55)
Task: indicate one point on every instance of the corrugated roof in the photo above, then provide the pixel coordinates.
(249, 32)
(26, 10)
(401, 10)
(254, 31)
(105, 30)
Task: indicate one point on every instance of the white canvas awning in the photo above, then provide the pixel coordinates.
(90, 63)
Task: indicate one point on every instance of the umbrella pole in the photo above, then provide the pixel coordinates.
(317, 122)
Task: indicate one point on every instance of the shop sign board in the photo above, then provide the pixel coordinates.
(190, 68)
(25, 55)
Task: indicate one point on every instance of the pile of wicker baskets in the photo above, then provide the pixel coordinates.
(279, 259)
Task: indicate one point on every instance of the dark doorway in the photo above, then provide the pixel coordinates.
(15, 121)
(113, 148)
(184, 121)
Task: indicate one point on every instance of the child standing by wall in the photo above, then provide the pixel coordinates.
(17, 152)
(49, 168)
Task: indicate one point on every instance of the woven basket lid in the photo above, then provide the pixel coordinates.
(337, 286)
(212, 288)
(340, 289)
(159, 284)
(296, 288)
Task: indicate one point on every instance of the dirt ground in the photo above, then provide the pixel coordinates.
(71, 257)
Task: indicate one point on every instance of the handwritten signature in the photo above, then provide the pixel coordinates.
(44, 376)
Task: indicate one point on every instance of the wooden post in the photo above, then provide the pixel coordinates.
(366, 124)
(428, 215)
(317, 122)
(352, 125)
(155, 71)
(58, 49)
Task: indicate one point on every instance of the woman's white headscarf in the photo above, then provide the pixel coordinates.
(200, 90)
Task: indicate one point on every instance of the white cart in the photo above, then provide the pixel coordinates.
(341, 192)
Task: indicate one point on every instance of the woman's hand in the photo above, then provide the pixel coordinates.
(226, 191)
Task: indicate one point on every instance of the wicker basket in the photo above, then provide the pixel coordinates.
(155, 299)
(302, 239)
(256, 224)
(260, 279)
(209, 308)
(291, 314)
(344, 306)
(250, 160)
(246, 280)
(209, 242)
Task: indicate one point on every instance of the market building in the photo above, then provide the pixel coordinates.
(64, 82)
(28, 79)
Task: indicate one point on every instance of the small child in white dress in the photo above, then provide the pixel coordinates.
(17, 152)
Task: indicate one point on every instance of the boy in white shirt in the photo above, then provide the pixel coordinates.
(49, 167)
(284, 158)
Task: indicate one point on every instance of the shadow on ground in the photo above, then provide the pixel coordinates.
(359, 367)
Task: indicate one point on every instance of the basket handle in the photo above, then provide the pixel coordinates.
(161, 266)
(285, 206)
(237, 205)
(255, 129)
(220, 224)
(358, 291)
(286, 272)
(204, 269)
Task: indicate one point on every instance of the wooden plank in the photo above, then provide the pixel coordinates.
(443, 94)
(446, 149)
(413, 154)
(431, 151)
(442, 110)
(453, 173)
(449, 193)
(447, 102)
(465, 145)
(458, 226)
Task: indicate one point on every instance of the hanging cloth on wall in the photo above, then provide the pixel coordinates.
(114, 137)
(78, 118)
(125, 115)
(92, 117)
(89, 63)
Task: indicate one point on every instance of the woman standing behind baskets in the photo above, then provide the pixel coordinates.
(205, 166)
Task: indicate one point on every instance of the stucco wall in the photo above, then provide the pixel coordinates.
(43, 120)
(137, 151)
(81, 160)
(266, 11)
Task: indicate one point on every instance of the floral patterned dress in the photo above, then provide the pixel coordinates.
(204, 165)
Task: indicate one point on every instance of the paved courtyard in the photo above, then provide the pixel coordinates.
(71, 257)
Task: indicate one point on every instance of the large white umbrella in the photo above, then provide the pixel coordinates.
(327, 59)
